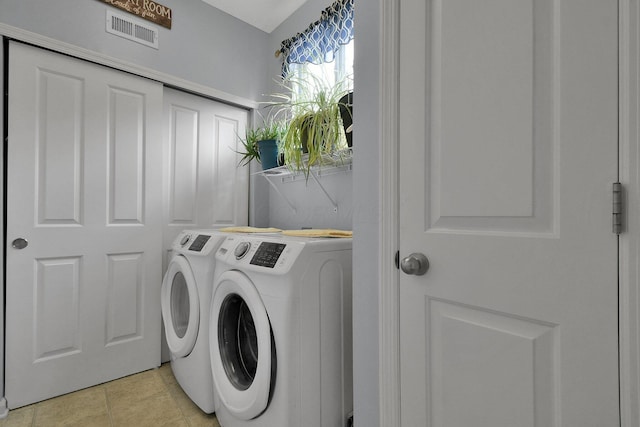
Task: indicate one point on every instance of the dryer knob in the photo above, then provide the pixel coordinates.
(242, 249)
(185, 239)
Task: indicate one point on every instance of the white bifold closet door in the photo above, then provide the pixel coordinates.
(205, 187)
(85, 192)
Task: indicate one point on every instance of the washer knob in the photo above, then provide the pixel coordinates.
(242, 249)
(184, 239)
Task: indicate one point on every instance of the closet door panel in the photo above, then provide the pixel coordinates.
(84, 192)
(205, 186)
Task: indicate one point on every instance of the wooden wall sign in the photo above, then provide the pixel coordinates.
(146, 9)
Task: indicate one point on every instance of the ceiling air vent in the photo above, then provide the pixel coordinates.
(132, 29)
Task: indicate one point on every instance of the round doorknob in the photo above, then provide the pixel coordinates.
(415, 264)
(19, 243)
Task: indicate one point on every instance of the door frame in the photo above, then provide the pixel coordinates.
(4, 409)
(629, 243)
(389, 225)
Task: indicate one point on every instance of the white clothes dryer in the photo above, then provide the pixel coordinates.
(186, 293)
(280, 332)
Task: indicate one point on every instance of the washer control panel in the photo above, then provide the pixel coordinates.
(199, 243)
(194, 242)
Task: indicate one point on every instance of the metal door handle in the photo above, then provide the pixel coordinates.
(416, 264)
(19, 243)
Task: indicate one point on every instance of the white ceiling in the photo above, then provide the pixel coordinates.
(263, 14)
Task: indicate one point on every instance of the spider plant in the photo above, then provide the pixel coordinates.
(271, 129)
(312, 109)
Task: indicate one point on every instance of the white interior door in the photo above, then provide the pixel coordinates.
(206, 188)
(84, 189)
(508, 136)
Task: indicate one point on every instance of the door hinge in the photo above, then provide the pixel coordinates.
(618, 206)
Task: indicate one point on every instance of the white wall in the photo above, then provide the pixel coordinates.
(313, 208)
(204, 45)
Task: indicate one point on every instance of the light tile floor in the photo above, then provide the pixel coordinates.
(151, 398)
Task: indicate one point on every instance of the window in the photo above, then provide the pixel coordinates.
(317, 71)
(341, 68)
(325, 49)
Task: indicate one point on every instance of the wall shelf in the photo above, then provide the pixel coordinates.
(283, 174)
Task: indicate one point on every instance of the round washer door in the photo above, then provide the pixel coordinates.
(241, 346)
(180, 307)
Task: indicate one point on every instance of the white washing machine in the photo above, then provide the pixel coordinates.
(280, 335)
(186, 293)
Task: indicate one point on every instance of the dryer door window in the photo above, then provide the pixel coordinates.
(243, 358)
(180, 307)
(238, 342)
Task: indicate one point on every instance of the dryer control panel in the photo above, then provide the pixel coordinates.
(254, 253)
(267, 254)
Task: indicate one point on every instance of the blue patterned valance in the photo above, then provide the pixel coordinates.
(319, 42)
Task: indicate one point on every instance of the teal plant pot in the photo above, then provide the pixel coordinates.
(268, 153)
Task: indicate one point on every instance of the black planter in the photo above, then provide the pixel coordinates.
(346, 112)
